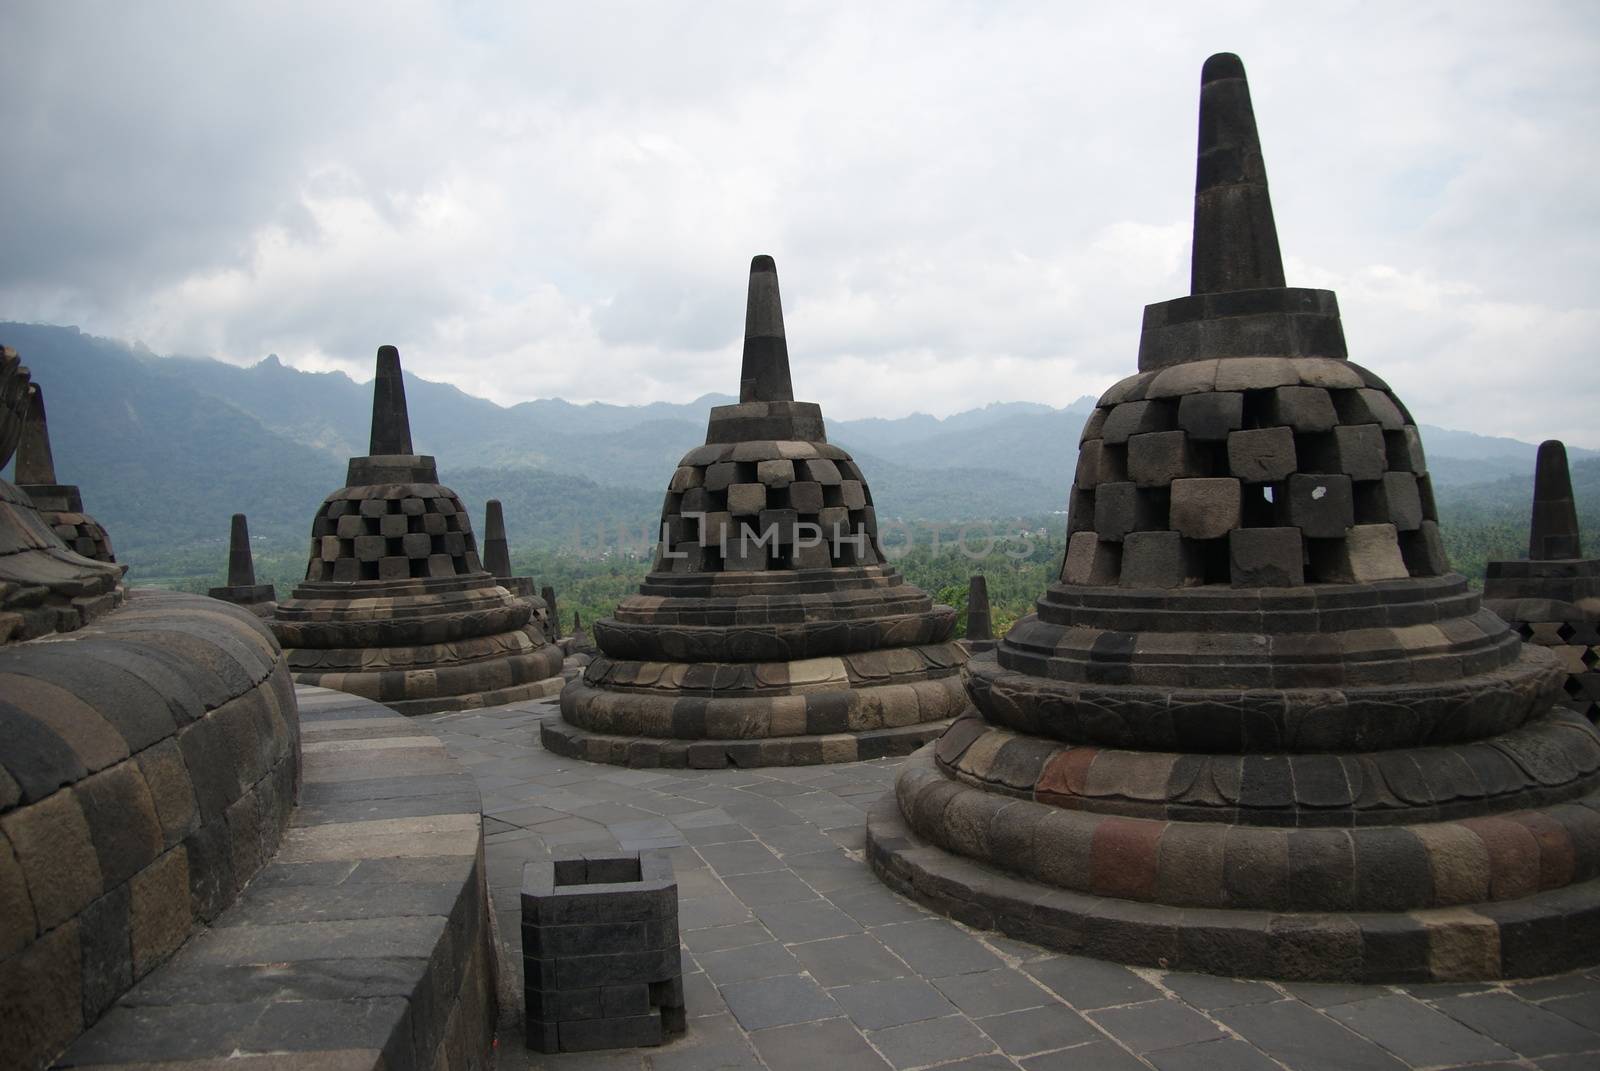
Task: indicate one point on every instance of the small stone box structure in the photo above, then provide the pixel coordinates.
(600, 960)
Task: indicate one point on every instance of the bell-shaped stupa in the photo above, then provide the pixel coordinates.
(396, 605)
(1553, 597)
(241, 588)
(770, 630)
(1258, 727)
(60, 504)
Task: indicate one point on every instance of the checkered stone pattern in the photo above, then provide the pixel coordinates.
(1255, 472)
(82, 533)
(391, 532)
(600, 956)
(773, 490)
(1577, 647)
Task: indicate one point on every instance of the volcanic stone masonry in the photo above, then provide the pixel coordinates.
(1553, 598)
(60, 504)
(497, 559)
(396, 605)
(241, 588)
(149, 759)
(980, 632)
(1258, 727)
(770, 630)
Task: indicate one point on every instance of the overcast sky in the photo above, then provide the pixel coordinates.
(968, 202)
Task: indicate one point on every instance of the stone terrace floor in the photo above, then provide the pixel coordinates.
(796, 957)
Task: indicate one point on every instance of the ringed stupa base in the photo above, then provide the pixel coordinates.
(1540, 933)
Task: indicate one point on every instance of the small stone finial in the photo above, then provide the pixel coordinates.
(391, 425)
(979, 626)
(1235, 237)
(548, 594)
(496, 552)
(1554, 534)
(764, 373)
(35, 465)
(241, 565)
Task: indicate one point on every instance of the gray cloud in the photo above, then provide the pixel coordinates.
(969, 202)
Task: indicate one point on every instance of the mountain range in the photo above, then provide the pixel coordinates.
(166, 448)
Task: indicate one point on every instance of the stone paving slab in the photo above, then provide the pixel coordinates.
(795, 956)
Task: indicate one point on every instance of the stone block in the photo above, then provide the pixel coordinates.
(852, 495)
(392, 525)
(1204, 508)
(373, 507)
(122, 821)
(394, 567)
(1090, 560)
(1120, 508)
(1157, 458)
(1210, 417)
(805, 496)
(1369, 552)
(721, 475)
(685, 477)
(1368, 406)
(370, 548)
(1266, 558)
(717, 528)
(1136, 418)
(1305, 409)
(1395, 499)
(1357, 450)
(779, 523)
(1404, 448)
(746, 499)
(821, 470)
(1424, 550)
(349, 526)
(53, 843)
(1088, 471)
(1261, 455)
(17, 922)
(775, 473)
(1154, 560)
(159, 914)
(1320, 505)
(435, 524)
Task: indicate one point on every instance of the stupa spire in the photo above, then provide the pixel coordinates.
(35, 465)
(391, 425)
(1235, 238)
(764, 373)
(1554, 534)
(496, 552)
(241, 566)
(979, 627)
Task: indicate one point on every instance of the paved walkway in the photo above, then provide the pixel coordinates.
(797, 958)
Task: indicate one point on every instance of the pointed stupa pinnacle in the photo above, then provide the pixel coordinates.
(391, 425)
(496, 552)
(35, 465)
(764, 373)
(1235, 238)
(553, 615)
(979, 626)
(241, 565)
(1554, 533)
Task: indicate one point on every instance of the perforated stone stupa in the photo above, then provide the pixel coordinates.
(60, 504)
(1258, 727)
(396, 605)
(1553, 597)
(770, 630)
(241, 588)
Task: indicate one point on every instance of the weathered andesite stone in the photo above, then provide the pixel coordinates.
(979, 631)
(601, 965)
(1258, 727)
(149, 759)
(396, 605)
(60, 504)
(497, 559)
(241, 588)
(770, 630)
(1553, 597)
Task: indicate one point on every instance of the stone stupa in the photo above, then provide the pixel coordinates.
(979, 635)
(497, 559)
(1553, 597)
(241, 588)
(396, 605)
(60, 504)
(770, 630)
(1258, 727)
